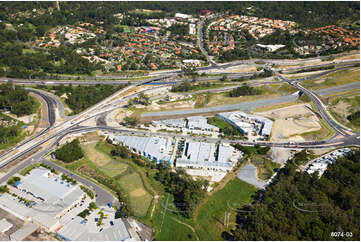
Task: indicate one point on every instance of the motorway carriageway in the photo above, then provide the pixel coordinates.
(249, 106)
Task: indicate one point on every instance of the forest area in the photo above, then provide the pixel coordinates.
(299, 206)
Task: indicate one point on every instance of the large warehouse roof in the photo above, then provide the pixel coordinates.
(42, 183)
(154, 146)
(239, 119)
(199, 122)
(76, 230)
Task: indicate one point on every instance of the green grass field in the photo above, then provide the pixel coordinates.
(127, 177)
(140, 199)
(211, 215)
(170, 225)
(114, 168)
(334, 79)
(342, 106)
(286, 88)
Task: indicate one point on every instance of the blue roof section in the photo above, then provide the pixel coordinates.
(17, 184)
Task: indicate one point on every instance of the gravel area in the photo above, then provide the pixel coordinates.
(249, 175)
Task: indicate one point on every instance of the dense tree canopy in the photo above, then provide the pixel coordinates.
(80, 98)
(299, 206)
(187, 192)
(244, 90)
(69, 152)
(17, 99)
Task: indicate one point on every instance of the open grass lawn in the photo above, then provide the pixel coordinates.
(170, 225)
(96, 156)
(224, 98)
(114, 168)
(210, 219)
(341, 107)
(139, 197)
(334, 79)
(286, 88)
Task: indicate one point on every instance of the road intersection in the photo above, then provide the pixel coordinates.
(51, 135)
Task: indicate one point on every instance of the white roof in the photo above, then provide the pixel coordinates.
(154, 146)
(202, 155)
(5, 225)
(42, 183)
(181, 15)
(271, 47)
(238, 119)
(10, 204)
(77, 231)
(199, 122)
(24, 232)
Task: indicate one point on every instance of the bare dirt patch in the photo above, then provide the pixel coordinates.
(341, 108)
(171, 106)
(291, 121)
(91, 137)
(138, 193)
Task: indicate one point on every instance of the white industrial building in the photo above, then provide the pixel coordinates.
(5, 225)
(192, 62)
(172, 123)
(247, 123)
(271, 48)
(154, 148)
(79, 229)
(54, 205)
(191, 123)
(182, 16)
(320, 164)
(51, 198)
(199, 155)
(200, 123)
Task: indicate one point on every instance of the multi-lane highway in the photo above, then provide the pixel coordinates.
(117, 100)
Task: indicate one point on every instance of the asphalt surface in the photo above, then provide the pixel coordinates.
(103, 196)
(342, 88)
(245, 106)
(350, 140)
(59, 104)
(321, 109)
(51, 105)
(248, 174)
(343, 141)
